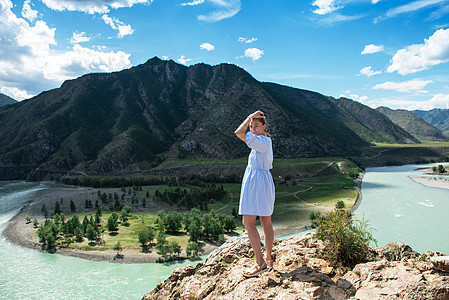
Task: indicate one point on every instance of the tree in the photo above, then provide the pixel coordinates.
(84, 224)
(346, 239)
(50, 241)
(57, 208)
(162, 245)
(112, 223)
(194, 232)
(35, 222)
(143, 237)
(72, 206)
(44, 210)
(79, 234)
(175, 248)
(90, 233)
(124, 214)
(192, 249)
(118, 248)
(228, 223)
(151, 234)
(234, 212)
(104, 198)
(441, 169)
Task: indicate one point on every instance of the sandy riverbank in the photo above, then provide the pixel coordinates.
(438, 182)
(23, 234)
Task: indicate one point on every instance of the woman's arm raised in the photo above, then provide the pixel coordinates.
(240, 132)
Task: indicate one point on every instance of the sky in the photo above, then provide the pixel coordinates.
(392, 53)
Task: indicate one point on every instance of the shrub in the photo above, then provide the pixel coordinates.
(346, 239)
(340, 204)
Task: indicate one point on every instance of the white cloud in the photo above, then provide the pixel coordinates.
(325, 6)
(440, 101)
(253, 53)
(15, 93)
(79, 38)
(30, 64)
(165, 57)
(400, 103)
(409, 8)
(375, 1)
(415, 58)
(193, 3)
(370, 49)
(348, 94)
(246, 40)
(92, 6)
(83, 60)
(183, 60)
(335, 18)
(415, 85)
(226, 9)
(207, 46)
(116, 24)
(368, 72)
(29, 13)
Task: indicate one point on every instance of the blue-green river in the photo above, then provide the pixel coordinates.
(30, 274)
(402, 210)
(398, 208)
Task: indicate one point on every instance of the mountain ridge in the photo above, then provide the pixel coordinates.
(413, 124)
(436, 117)
(5, 100)
(132, 120)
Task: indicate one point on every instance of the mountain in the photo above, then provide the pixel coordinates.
(413, 124)
(438, 118)
(4, 100)
(131, 120)
(370, 124)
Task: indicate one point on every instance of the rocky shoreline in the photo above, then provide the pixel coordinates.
(392, 272)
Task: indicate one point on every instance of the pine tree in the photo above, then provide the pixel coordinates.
(57, 208)
(72, 206)
(90, 233)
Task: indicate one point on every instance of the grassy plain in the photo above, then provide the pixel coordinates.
(302, 186)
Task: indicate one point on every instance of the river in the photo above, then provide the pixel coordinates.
(30, 274)
(401, 210)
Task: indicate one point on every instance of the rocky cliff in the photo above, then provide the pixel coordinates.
(393, 272)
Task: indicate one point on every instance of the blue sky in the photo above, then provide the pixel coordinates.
(378, 52)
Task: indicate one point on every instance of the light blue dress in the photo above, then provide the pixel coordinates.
(257, 193)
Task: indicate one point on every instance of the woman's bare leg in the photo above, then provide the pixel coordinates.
(268, 231)
(254, 238)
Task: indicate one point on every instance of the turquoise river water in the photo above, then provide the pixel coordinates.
(398, 208)
(401, 210)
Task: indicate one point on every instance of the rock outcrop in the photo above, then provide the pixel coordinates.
(393, 272)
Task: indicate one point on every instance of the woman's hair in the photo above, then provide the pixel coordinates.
(263, 122)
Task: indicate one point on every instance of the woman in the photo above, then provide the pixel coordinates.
(257, 193)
